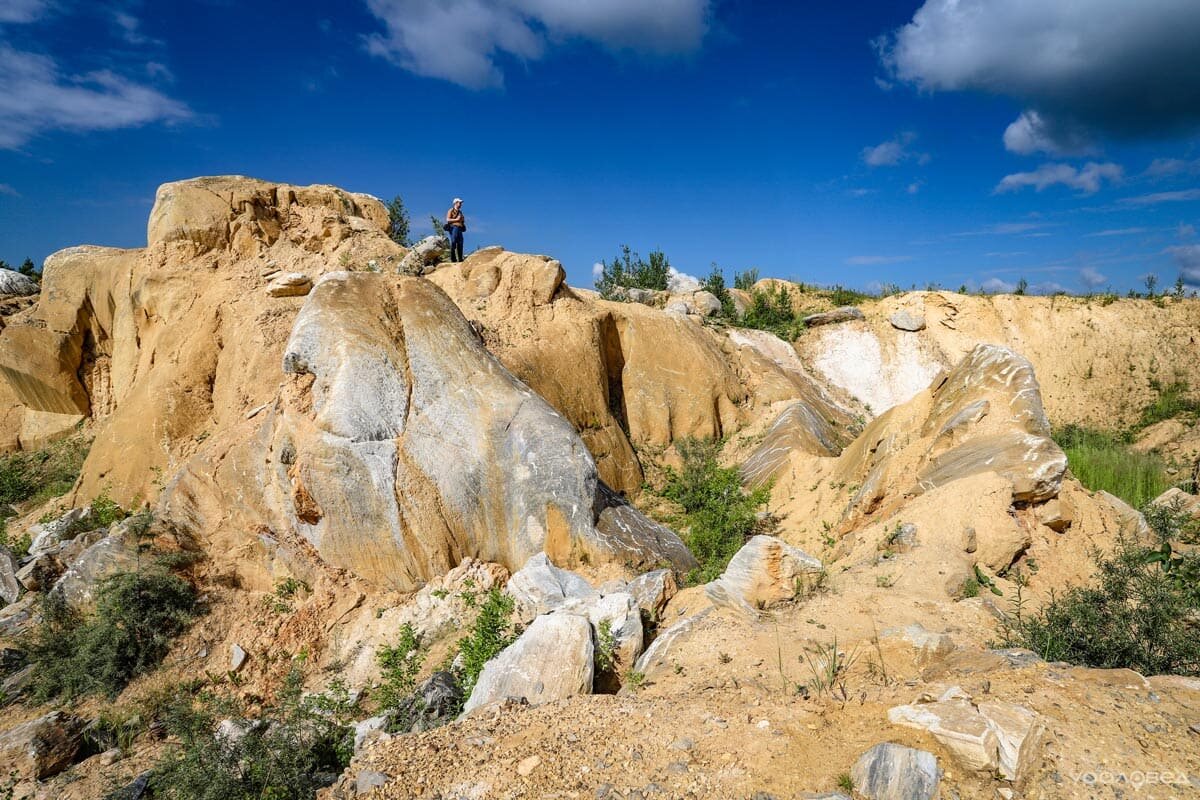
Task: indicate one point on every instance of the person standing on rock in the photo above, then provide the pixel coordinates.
(456, 226)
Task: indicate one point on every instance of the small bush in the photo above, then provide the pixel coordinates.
(291, 752)
(399, 666)
(606, 646)
(841, 296)
(718, 514)
(771, 310)
(1105, 461)
(629, 271)
(491, 632)
(1139, 613)
(129, 633)
(39, 475)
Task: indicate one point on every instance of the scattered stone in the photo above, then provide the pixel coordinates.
(424, 255)
(10, 587)
(117, 552)
(109, 757)
(41, 747)
(929, 645)
(678, 307)
(1055, 515)
(894, 772)
(995, 737)
(540, 587)
(526, 767)
(290, 284)
(435, 701)
(551, 660)
(683, 744)
(46, 536)
(652, 590)
(14, 283)
(905, 321)
(843, 314)
(134, 790)
(369, 731)
(369, 779)
(237, 657)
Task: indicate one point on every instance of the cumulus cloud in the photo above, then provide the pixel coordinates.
(997, 286)
(1186, 231)
(1088, 180)
(1092, 278)
(1080, 69)
(862, 261)
(1187, 257)
(35, 97)
(461, 40)
(680, 282)
(21, 11)
(1161, 197)
(597, 271)
(893, 151)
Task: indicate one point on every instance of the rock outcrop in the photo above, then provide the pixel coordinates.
(14, 283)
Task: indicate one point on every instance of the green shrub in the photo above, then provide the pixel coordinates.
(1137, 614)
(718, 514)
(841, 296)
(288, 754)
(745, 280)
(771, 310)
(41, 474)
(128, 634)
(491, 632)
(629, 271)
(398, 222)
(606, 646)
(399, 666)
(1102, 460)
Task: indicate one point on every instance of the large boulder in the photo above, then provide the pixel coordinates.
(401, 446)
(551, 660)
(14, 283)
(424, 255)
(42, 747)
(765, 571)
(539, 587)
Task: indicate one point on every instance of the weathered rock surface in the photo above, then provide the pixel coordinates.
(289, 284)
(653, 590)
(399, 422)
(551, 660)
(425, 254)
(41, 747)
(895, 772)
(907, 321)
(117, 552)
(10, 587)
(842, 314)
(993, 737)
(765, 571)
(539, 587)
(13, 282)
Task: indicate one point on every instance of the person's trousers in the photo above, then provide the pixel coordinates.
(456, 243)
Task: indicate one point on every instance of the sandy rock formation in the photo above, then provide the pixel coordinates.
(41, 747)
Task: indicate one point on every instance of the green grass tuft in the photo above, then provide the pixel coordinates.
(1105, 461)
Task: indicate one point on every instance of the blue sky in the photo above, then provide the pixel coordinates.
(972, 142)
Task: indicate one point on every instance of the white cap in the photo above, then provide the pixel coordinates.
(458, 199)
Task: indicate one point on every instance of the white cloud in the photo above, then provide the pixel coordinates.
(1088, 180)
(462, 40)
(1187, 257)
(1118, 232)
(1092, 278)
(893, 151)
(35, 97)
(1186, 231)
(1080, 69)
(680, 282)
(21, 11)
(597, 271)
(997, 286)
(914, 187)
(1006, 229)
(1170, 167)
(1161, 197)
(860, 261)
(8, 190)
(885, 85)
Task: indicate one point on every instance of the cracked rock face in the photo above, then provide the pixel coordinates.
(409, 446)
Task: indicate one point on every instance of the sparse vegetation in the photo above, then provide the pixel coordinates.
(829, 668)
(771, 310)
(746, 279)
(718, 513)
(1171, 401)
(1138, 613)
(398, 221)
(491, 632)
(38, 475)
(137, 614)
(295, 748)
(1102, 460)
(606, 646)
(629, 271)
(399, 665)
